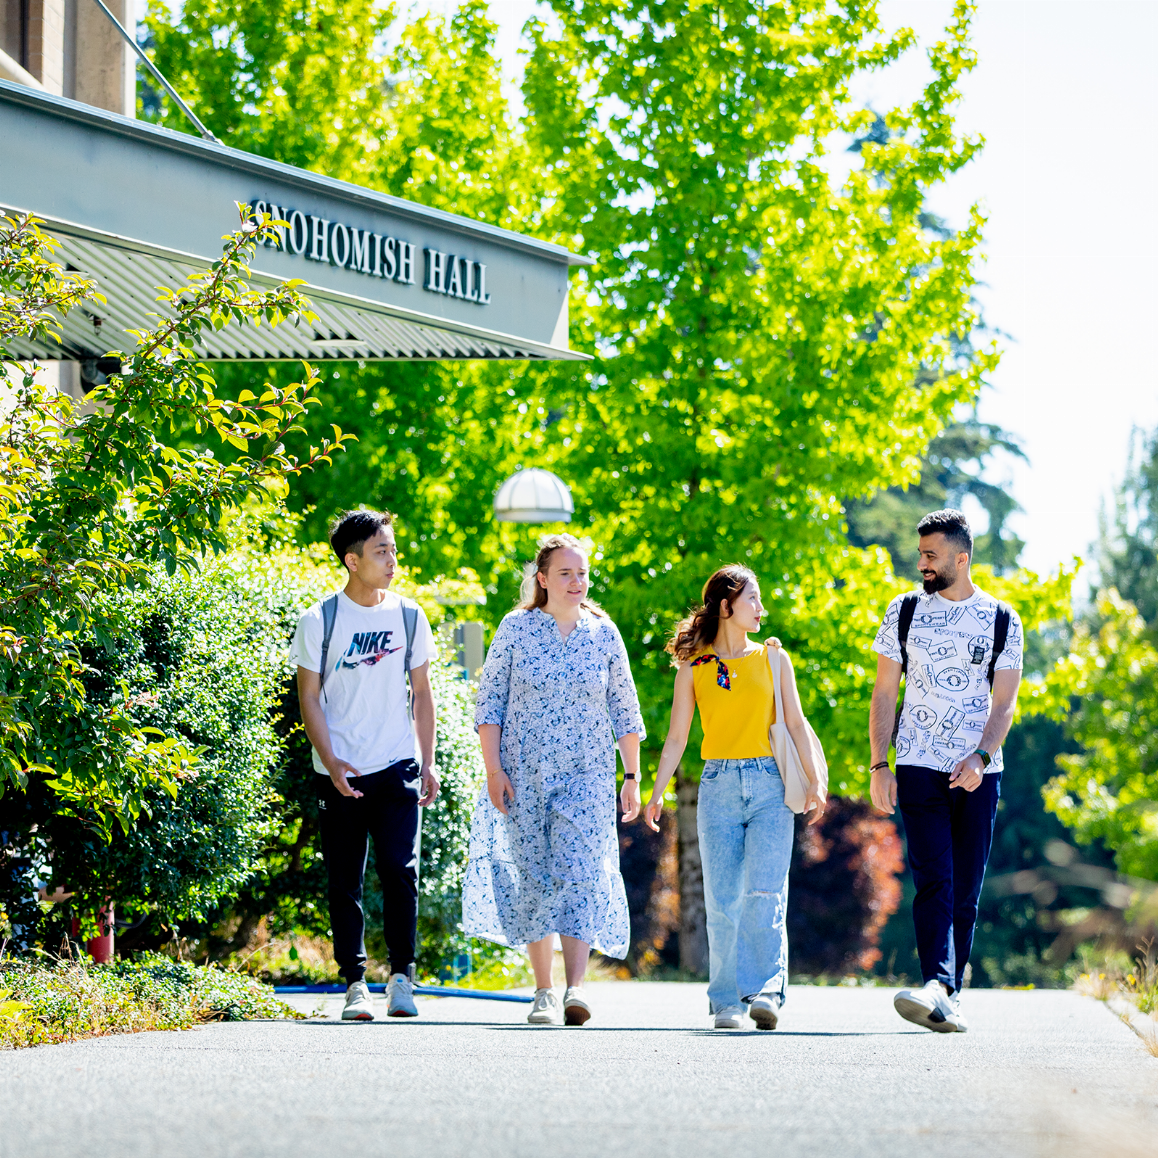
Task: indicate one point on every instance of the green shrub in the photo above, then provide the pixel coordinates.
(42, 1002)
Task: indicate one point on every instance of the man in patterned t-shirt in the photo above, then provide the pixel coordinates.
(960, 651)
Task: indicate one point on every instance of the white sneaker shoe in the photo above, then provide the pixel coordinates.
(576, 1011)
(546, 1010)
(358, 1005)
(931, 1007)
(764, 1009)
(731, 1018)
(400, 991)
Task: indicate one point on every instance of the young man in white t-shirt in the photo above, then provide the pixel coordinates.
(961, 653)
(356, 709)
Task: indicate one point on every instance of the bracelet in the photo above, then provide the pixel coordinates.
(878, 767)
(493, 772)
(630, 776)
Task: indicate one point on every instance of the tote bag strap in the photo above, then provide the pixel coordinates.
(772, 651)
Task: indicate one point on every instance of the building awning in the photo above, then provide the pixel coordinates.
(136, 206)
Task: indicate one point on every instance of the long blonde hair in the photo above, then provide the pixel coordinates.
(532, 593)
(695, 633)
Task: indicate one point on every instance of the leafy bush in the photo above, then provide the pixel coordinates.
(200, 657)
(42, 1003)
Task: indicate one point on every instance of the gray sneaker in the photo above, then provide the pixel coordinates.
(576, 1011)
(546, 1010)
(358, 1005)
(764, 1009)
(400, 991)
(930, 1007)
(731, 1018)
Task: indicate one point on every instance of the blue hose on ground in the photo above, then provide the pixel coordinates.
(424, 990)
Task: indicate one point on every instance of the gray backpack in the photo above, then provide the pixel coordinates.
(409, 622)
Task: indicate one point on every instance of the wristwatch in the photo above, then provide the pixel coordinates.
(986, 759)
(629, 776)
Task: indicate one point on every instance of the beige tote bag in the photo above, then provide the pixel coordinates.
(784, 747)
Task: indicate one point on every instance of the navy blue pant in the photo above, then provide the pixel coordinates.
(387, 813)
(949, 833)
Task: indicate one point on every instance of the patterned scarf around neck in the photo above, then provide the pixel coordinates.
(723, 678)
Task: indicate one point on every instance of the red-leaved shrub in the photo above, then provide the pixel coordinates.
(842, 888)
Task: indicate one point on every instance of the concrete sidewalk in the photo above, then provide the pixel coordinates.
(1039, 1073)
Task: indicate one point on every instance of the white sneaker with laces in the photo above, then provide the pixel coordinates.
(576, 1011)
(546, 1010)
(764, 1009)
(930, 1007)
(400, 991)
(358, 1005)
(962, 1024)
(731, 1018)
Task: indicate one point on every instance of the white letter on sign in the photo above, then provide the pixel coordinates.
(319, 240)
(435, 271)
(406, 262)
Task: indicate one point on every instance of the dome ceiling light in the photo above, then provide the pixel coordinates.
(534, 496)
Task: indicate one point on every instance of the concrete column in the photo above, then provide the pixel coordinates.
(106, 67)
(46, 43)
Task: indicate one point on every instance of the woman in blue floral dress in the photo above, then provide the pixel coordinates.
(555, 697)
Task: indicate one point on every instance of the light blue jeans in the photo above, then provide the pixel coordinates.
(746, 834)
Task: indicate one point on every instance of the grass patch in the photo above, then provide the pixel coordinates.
(1130, 989)
(46, 1001)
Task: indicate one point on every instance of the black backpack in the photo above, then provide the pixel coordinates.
(905, 621)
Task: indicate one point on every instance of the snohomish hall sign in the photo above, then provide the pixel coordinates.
(137, 206)
(393, 258)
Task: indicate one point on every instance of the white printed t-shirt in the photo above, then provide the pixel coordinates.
(364, 694)
(947, 694)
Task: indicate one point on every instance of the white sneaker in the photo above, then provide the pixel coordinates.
(764, 1009)
(731, 1018)
(959, 1017)
(358, 1005)
(546, 1010)
(576, 1011)
(931, 1007)
(400, 991)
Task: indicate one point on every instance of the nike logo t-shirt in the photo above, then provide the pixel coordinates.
(364, 694)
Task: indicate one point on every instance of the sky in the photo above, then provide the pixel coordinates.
(1064, 94)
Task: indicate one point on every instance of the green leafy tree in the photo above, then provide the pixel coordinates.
(1128, 542)
(954, 466)
(1109, 790)
(1106, 688)
(93, 501)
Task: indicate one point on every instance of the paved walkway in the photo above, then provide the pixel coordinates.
(1039, 1073)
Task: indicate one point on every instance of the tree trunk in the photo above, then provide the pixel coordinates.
(693, 919)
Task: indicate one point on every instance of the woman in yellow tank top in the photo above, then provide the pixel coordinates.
(745, 829)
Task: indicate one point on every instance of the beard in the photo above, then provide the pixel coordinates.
(939, 581)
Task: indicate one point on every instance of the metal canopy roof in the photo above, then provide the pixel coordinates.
(137, 206)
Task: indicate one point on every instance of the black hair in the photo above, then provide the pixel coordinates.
(352, 528)
(950, 523)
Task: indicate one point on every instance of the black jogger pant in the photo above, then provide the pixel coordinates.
(949, 833)
(387, 813)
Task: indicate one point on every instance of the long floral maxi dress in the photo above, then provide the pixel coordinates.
(552, 865)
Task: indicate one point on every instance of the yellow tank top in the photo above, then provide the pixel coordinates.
(737, 704)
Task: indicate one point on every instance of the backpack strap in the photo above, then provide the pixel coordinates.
(410, 623)
(329, 616)
(1000, 635)
(904, 622)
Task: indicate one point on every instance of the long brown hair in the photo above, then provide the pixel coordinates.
(693, 634)
(533, 593)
